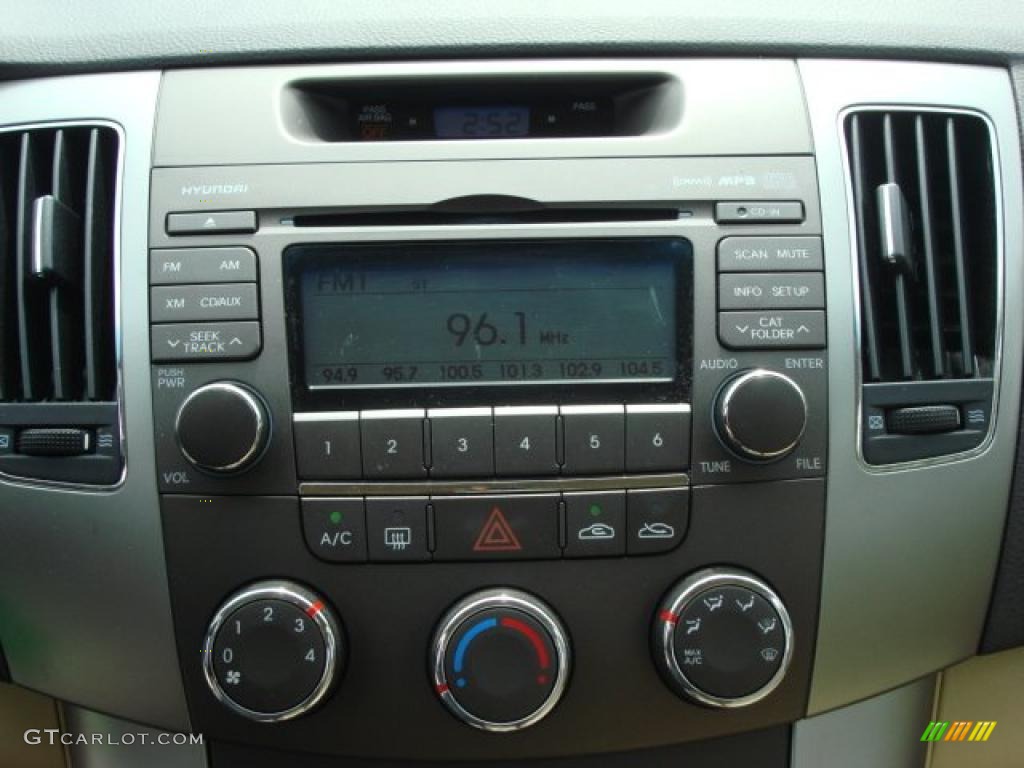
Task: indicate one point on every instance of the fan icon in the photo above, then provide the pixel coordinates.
(234, 677)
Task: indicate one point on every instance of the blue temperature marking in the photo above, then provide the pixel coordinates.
(460, 649)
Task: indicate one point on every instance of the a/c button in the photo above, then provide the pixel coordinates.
(335, 529)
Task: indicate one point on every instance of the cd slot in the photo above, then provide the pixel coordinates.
(441, 216)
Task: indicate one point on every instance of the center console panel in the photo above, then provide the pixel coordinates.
(503, 441)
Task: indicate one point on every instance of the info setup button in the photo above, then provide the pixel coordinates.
(521, 527)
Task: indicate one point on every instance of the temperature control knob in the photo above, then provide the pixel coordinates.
(760, 415)
(272, 651)
(723, 638)
(500, 660)
(222, 427)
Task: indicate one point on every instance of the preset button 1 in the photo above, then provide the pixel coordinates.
(327, 446)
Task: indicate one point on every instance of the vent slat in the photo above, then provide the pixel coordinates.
(33, 331)
(98, 263)
(938, 346)
(8, 320)
(58, 236)
(959, 256)
(870, 326)
(924, 198)
(903, 313)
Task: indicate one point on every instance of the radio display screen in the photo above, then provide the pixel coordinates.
(490, 313)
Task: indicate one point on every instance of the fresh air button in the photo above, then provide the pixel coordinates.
(595, 439)
(656, 520)
(327, 446)
(524, 441)
(595, 524)
(189, 303)
(173, 266)
(779, 290)
(520, 527)
(211, 222)
(396, 528)
(767, 212)
(462, 442)
(770, 254)
(197, 342)
(335, 529)
(786, 329)
(393, 444)
(657, 437)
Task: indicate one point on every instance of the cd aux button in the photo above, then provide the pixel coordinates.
(393, 444)
(524, 441)
(595, 439)
(189, 303)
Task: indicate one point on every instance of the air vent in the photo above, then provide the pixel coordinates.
(924, 195)
(57, 335)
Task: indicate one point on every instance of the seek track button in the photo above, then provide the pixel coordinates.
(198, 342)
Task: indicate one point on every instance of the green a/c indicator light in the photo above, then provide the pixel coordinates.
(335, 517)
(595, 510)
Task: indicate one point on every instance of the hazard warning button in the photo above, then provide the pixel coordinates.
(521, 527)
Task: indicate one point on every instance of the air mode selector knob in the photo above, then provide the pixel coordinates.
(500, 660)
(222, 427)
(760, 415)
(723, 638)
(273, 651)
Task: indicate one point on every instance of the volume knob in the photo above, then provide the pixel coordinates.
(760, 415)
(222, 427)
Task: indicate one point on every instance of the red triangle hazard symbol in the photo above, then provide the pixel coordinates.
(497, 535)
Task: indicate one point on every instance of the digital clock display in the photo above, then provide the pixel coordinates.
(481, 122)
(490, 313)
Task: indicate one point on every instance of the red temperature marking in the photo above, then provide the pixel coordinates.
(533, 637)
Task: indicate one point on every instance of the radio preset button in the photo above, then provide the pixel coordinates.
(172, 266)
(781, 290)
(595, 439)
(784, 329)
(657, 437)
(393, 444)
(770, 254)
(396, 528)
(335, 529)
(760, 212)
(224, 301)
(524, 441)
(327, 446)
(595, 524)
(520, 527)
(461, 442)
(200, 342)
(656, 520)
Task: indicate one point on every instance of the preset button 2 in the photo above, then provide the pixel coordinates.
(393, 444)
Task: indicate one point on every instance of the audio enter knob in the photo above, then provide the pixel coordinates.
(500, 660)
(222, 427)
(760, 415)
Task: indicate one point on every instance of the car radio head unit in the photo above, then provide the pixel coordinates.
(516, 320)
